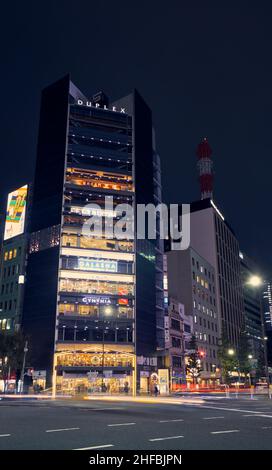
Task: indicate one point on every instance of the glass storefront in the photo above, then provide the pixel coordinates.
(95, 360)
(70, 240)
(83, 384)
(95, 310)
(96, 287)
(99, 179)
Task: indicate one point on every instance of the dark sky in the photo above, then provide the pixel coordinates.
(204, 71)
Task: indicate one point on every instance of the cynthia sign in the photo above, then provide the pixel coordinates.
(97, 105)
(93, 300)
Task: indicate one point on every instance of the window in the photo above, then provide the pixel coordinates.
(176, 342)
(6, 256)
(176, 361)
(175, 324)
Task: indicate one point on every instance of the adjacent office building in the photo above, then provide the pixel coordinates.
(191, 280)
(252, 306)
(213, 239)
(14, 258)
(92, 303)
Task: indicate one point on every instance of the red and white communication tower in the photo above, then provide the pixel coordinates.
(205, 168)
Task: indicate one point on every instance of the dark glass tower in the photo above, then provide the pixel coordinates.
(91, 303)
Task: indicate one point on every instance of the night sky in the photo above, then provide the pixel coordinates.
(204, 71)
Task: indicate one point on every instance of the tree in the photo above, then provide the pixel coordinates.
(244, 363)
(228, 363)
(193, 366)
(11, 353)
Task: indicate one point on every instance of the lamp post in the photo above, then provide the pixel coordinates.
(232, 352)
(257, 282)
(107, 312)
(250, 357)
(23, 367)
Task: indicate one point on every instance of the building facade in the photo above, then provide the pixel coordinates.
(174, 344)
(191, 280)
(14, 258)
(252, 306)
(92, 299)
(213, 238)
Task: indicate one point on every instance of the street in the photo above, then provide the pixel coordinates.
(207, 423)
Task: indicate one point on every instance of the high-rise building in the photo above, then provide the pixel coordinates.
(252, 306)
(214, 239)
(267, 305)
(92, 303)
(13, 259)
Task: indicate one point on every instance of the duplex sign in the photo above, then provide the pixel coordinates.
(97, 105)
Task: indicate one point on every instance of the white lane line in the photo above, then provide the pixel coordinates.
(225, 432)
(59, 430)
(120, 424)
(103, 446)
(214, 417)
(229, 409)
(170, 420)
(267, 427)
(165, 438)
(104, 409)
(5, 435)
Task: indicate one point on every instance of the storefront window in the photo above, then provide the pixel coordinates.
(97, 244)
(99, 179)
(96, 287)
(94, 360)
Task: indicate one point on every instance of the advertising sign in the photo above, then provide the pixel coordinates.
(16, 213)
(163, 381)
(94, 300)
(97, 265)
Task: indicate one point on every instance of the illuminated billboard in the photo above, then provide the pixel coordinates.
(16, 213)
(98, 265)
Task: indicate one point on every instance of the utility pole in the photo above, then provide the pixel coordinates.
(23, 367)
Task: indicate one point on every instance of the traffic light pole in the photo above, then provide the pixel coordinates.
(23, 367)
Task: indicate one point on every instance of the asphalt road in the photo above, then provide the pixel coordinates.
(213, 424)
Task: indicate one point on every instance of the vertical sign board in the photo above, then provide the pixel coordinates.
(16, 213)
(163, 381)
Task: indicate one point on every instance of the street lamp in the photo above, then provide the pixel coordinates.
(250, 357)
(256, 282)
(232, 352)
(107, 312)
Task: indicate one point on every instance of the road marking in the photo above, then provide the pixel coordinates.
(121, 424)
(102, 409)
(225, 432)
(96, 447)
(59, 430)
(165, 438)
(266, 427)
(5, 435)
(229, 409)
(215, 417)
(170, 420)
